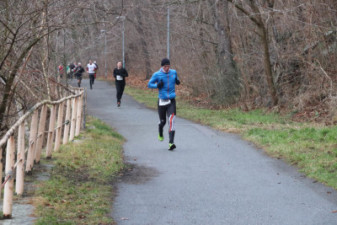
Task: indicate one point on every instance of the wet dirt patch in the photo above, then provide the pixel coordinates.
(137, 174)
(74, 175)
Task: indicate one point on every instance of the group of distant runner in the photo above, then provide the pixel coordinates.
(164, 80)
(77, 70)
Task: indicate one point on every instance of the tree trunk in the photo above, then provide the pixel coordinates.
(263, 32)
(45, 51)
(9, 90)
(267, 66)
(5, 99)
(146, 54)
(256, 18)
(225, 60)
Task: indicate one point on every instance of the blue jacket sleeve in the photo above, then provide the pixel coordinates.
(153, 82)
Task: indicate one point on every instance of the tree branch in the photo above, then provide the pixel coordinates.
(244, 11)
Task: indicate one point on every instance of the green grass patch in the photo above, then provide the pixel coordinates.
(311, 147)
(80, 189)
(221, 119)
(313, 150)
(147, 97)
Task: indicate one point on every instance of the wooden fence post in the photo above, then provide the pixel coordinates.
(32, 142)
(73, 120)
(50, 139)
(67, 124)
(8, 194)
(59, 127)
(20, 174)
(79, 114)
(84, 104)
(40, 135)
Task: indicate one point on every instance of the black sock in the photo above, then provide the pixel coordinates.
(160, 128)
(171, 135)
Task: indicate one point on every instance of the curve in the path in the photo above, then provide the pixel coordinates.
(211, 178)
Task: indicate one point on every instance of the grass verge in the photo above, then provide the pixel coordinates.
(80, 188)
(311, 147)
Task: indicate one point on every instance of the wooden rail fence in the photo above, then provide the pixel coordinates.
(21, 154)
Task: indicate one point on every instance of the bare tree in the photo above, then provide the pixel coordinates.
(263, 52)
(255, 16)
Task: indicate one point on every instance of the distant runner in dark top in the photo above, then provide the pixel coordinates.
(165, 80)
(79, 70)
(72, 70)
(120, 74)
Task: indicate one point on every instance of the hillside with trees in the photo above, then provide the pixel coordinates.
(250, 54)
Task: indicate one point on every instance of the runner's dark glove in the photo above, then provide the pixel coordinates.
(160, 84)
(177, 81)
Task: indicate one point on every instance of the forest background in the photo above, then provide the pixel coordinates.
(273, 54)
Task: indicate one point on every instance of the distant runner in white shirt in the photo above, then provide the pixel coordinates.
(95, 71)
(91, 68)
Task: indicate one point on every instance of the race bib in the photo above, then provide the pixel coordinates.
(163, 102)
(118, 77)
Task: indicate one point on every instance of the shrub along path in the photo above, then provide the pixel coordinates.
(211, 178)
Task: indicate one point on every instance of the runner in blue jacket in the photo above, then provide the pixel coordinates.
(165, 80)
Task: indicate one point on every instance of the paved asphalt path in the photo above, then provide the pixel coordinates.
(211, 178)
